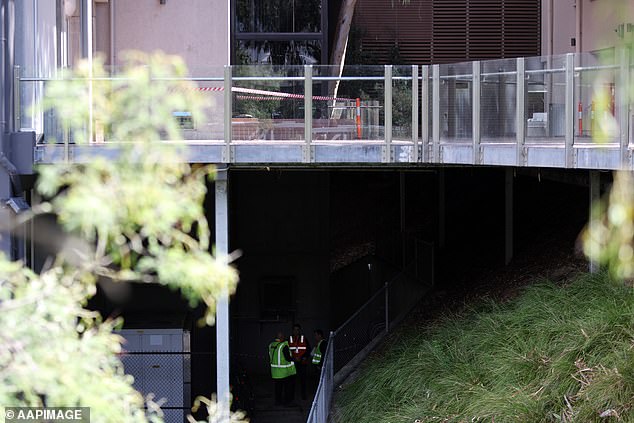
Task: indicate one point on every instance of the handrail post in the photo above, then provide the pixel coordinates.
(622, 92)
(17, 113)
(475, 112)
(388, 114)
(520, 110)
(436, 113)
(570, 108)
(228, 109)
(308, 112)
(424, 107)
(415, 112)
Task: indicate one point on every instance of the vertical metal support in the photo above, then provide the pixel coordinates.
(86, 12)
(424, 108)
(475, 112)
(415, 113)
(622, 92)
(387, 307)
(85, 16)
(401, 184)
(228, 110)
(435, 120)
(17, 112)
(595, 193)
(441, 208)
(308, 112)
(520, 111)
(222, 306)
(388, 114)
(508, 214)
(570, 108)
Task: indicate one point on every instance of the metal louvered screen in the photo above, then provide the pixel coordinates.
(447, 31)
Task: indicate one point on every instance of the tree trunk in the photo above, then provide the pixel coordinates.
(338, 57)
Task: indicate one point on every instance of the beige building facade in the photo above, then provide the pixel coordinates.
(574, 26)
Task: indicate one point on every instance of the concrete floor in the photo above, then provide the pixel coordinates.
(267, 412)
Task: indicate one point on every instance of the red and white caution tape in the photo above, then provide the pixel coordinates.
(265, 95)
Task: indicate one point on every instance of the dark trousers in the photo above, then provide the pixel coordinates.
(284, 389)
(301, 377)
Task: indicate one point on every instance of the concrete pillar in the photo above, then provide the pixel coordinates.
(595, 193)
(441, 208)
(7, 32)
(402, 218)
(508, 215)
(222, 306)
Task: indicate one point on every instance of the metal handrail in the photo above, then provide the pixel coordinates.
(425, 112)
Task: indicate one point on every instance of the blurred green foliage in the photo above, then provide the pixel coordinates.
(138, 217)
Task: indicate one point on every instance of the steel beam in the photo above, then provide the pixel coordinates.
(388, 113)
(475, 111)
(508, 214)
(570, 108)
(424, 108)
(308, 111)
(222, 305)
(228, 109)
(436, 113)
(415, 112)
(520, 111)
(595, 193)
(623, 101)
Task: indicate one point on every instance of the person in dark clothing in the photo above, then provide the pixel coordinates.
(320, 349)
(300, 348)
(282, 370)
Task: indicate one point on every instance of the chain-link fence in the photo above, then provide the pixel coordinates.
(323, 397)
(175, 379)
(351, 342)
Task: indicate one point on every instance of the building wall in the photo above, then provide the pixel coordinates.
(592, 24)
(196, 30)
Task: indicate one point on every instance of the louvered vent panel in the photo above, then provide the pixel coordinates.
(444, 31)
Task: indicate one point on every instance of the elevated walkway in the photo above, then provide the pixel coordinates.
(568, 111)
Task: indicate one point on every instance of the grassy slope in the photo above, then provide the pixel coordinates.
(553, 354)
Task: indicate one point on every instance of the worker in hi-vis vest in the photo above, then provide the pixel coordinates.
(320, 349)
(299, 350)
(282, 370)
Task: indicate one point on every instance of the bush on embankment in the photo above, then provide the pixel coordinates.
(552, 354)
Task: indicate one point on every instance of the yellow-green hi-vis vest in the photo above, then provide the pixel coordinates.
(280, 367)
(317, 355)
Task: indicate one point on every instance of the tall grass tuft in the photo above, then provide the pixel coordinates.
(553, 354)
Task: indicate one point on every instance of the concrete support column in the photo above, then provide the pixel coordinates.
(402, 217)
(222, 306)
(508, 215)
(8, 117)
(595, 193)
(441, 208)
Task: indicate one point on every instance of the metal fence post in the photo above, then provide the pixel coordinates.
(475, 112)
(424, 107)
(388, 114)
(436, 113)
(228, 110)
(308, 112)
(520, 111)
(17, 113)
(415, 112)
(570, 108)
(623, 90)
